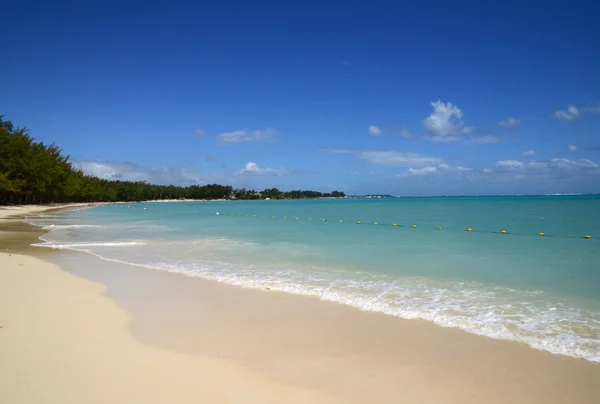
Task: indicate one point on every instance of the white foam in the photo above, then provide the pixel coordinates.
(69, 226)
(73, 246)
(530, 316)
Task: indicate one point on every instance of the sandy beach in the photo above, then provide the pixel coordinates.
(78, 329)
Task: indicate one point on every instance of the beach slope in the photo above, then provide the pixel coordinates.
(62, 341)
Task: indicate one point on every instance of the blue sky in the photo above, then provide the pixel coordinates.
(407, 98)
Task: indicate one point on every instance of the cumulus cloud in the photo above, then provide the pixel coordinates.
(254, 169)
(239, 136)
(529, 153)
(126, 171)
(445, 120)
(445, 125)
(375, 131)
(389, 158)
(572, 148)
(509, 122)
(569, 114)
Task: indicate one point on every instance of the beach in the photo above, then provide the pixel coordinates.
(79, 329)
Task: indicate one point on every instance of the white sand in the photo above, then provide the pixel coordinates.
(62, 342)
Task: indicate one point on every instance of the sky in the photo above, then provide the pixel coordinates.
(395, 97)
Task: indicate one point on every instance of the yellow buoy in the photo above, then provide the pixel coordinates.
(469, 229)
(273, 217)
(310, 218)
(394, 225)
(542, 234)
(297, 218)
(340, 221)
(285, 217)
(588, 236)
(357, 222)
(414, 226)
(376, 223)
(239, 214)
(503, 231)
(439, 227)
(323, 220)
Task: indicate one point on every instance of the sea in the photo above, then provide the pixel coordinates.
(523, 268)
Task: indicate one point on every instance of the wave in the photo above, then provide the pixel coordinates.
(69, 226)
(527, 316)
(77, 246)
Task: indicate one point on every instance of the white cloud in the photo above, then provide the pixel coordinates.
(201, 133)
(126, 171)
(509, 164)
(389, 158)
(445, 120)
(254, 169)
(239, 136)
(375, 131)
(434, 169)
(572, 148)
(445, 125)
(422, 171)
(405, 133)
(485, 139)
(512, 170)
(570, 114)
(509, 122)
(594, 109)
(554, 168)
(529, 153)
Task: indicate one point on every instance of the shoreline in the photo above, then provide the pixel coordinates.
(334, 351)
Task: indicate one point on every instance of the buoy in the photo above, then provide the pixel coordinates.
(439, 227)
(503, 231)
(296, 218)
(394, 225)
(376, 223)
(357, 222)
(414, 226)
(542, 234)
(469, 229)
(273, 217)
(340, 221)
(310, 218)
(239, 214)
(323, 220)
(588, 236)
(217, 213)
(285, 217)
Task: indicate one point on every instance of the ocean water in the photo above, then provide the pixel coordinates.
(543, 291)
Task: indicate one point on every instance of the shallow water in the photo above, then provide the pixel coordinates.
(544, 291)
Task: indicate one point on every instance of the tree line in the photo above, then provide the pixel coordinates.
(34, 172)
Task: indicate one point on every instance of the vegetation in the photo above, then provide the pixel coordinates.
(32, 172)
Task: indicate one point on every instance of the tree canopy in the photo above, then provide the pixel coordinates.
(34, 172)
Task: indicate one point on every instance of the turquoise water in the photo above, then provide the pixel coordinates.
(543, 291)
